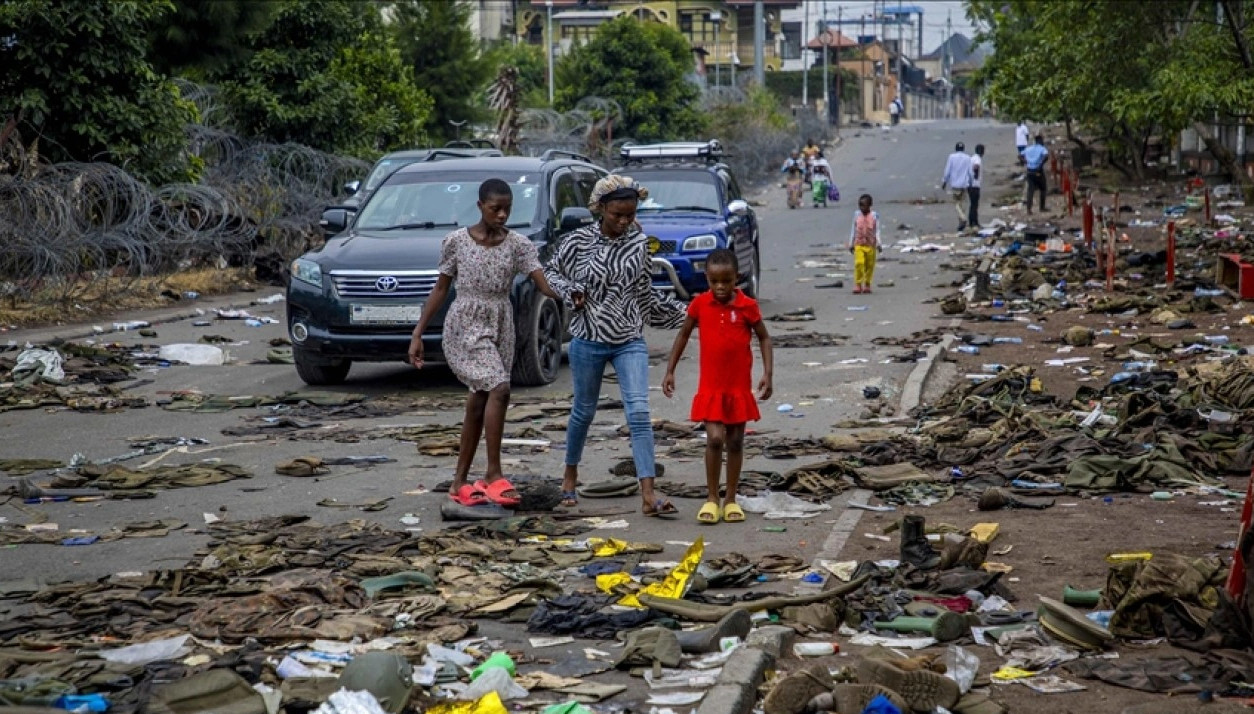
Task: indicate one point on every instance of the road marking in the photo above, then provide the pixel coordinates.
(844, 526)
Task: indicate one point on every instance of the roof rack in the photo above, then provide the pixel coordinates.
(470, 144)
(555, 153)
(438, 154)
(710, 151)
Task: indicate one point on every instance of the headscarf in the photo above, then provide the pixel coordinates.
(615, 184)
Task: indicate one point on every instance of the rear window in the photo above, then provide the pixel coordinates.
(444, 200)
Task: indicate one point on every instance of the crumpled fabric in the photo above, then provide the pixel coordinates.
(585, 617)
(297, 605)
(38, 365)
(1168, 595)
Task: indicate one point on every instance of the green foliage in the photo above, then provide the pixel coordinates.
(643, 67)
(533, 77)
(436, 41)
(203, 37)
(327, 75)
(786, 86)
(76, 75)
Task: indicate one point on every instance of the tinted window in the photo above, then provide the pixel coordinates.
(587, 180)
(383, 169)
(444, 199)
(729, 182)
(564, 194)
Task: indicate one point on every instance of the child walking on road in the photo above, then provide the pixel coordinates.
(479, 332)
(725, 399)
(864, 243)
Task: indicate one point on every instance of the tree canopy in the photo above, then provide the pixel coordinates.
(643, 66)
(203, 37)
(77, 77)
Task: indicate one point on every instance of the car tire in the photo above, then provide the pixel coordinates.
(538, 356)
(320, 373)
(753, 286)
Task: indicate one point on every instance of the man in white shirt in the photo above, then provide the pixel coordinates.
(958, 179)
(1021, 139)
(894, 110)
(973, 191)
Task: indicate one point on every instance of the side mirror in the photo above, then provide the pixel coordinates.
(739, 207)
(574, 218)
(334, 220)
(352, 187)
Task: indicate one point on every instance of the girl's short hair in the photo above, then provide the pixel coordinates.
(722, 256)
(494, 187)
(866, 197)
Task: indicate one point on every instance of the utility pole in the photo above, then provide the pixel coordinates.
(901, 63)
(840, 11)
(717, 18)
(825, 40)
(949, 82)
(548, 47)
(805, 57)
(759, 43)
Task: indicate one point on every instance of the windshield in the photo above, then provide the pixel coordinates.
(383, 169)
(443, 200)
(694, 191)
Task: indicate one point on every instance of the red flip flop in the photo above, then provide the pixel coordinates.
(496, 492)
(468, 495)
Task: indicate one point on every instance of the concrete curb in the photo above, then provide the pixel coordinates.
(736, 689)
(203, 308)
(912, 390)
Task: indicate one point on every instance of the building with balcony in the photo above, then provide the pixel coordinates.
(719, 31)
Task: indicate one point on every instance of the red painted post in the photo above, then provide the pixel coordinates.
(1171, 253)
(1066, 190)
(1110, 261)
(1236, 575)
(1088, 222)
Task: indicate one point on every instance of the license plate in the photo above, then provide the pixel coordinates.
(385, 314)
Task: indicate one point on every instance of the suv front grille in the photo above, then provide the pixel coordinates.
(366, 284)
(666, 246)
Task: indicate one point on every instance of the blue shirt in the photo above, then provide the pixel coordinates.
(1035, 156)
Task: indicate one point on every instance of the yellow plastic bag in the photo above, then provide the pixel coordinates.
(1009, 674)
(610, 582)
(676, 582)
(489, 703)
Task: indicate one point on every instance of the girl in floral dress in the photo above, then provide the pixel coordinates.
(479, 335)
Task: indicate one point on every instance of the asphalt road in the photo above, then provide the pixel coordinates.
(896, 167)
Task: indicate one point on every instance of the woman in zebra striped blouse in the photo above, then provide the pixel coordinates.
(606, 271)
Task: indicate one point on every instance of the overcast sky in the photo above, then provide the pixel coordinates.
(935, 12)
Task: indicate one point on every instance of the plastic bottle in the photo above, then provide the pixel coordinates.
(1217, 339)
(969, 349)
(1036, 328)
(1001, 318)
(999, 303)
(992, 368)
(1140, 366)
(497, 660)
(815, 649)
(1203, 292)
(1008, 340)
(1121, 377)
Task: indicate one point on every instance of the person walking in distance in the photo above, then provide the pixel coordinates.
(864, 243)
(1021, 139)
(1034, 157)
(973, 191)
(725, 400)
(894, 110)
(957, 180)
(795, 171)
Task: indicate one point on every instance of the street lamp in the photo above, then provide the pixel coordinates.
(716, 17)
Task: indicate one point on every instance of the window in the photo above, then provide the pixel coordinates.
(587, 180)
(443, 200)
(729, 181)
(535, 31)
(578, 34)
(564, 194)
(791, 48)
(697, 27)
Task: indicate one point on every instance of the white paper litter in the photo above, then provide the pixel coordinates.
(145, 652)
(778, 504)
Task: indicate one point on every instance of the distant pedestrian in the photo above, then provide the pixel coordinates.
(957, 180)
(795, 169)
(820, 179)
(1021, 139)
(894, 110)
(864, 243)
(725, 400)
(973, 191)
(1034, 157)
(479, 335)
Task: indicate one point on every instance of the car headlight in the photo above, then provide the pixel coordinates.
(705, 242)
(307, 271)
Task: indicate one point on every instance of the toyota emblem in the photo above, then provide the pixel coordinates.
(386, 284)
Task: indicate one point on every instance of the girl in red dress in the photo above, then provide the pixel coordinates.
(725, 398)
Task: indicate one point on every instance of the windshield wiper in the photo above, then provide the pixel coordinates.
(705, 209)
(414, 226)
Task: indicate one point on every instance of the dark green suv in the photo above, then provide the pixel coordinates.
(358, 297)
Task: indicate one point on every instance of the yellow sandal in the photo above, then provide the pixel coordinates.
(709, 513)
(732, 513)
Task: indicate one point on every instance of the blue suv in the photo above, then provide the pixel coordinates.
(694, 206)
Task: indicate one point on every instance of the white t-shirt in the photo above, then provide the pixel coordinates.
(977, 170)
(1021, 135)
(894, 107)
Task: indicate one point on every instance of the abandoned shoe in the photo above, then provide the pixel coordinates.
(853, 699)
(793, 693)
(994, 499)
(915, 548)
(922, 690)
(734, 624)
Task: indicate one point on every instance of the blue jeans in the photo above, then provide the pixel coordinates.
(587, 366)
